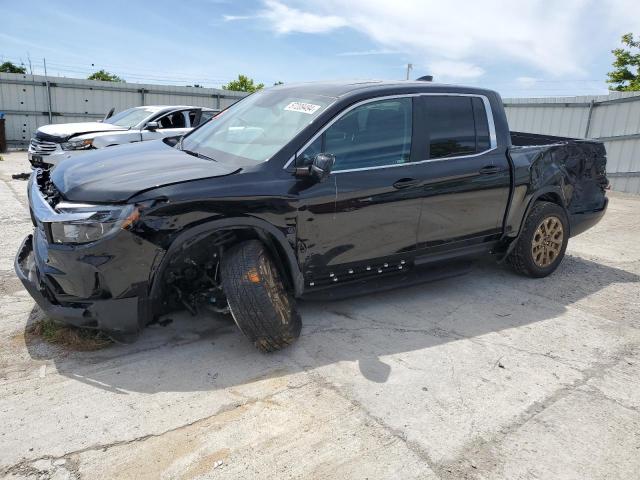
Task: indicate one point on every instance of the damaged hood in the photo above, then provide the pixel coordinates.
(64, 131)
(116, 174)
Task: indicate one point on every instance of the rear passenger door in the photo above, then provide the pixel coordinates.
(467, 177)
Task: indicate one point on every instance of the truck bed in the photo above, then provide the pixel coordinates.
(569, 170)
(524, 139)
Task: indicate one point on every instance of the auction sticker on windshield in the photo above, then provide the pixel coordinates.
(308, 108)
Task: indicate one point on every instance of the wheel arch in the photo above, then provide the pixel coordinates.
(275, 241)
(552, 194)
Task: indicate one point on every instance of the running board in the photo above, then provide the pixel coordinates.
(415, 276)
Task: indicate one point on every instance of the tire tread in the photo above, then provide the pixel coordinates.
(252, 305)
(520, 258)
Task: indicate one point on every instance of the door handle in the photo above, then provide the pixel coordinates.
(489, 170)
(406, 182)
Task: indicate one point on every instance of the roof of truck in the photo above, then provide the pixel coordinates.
(345, 87)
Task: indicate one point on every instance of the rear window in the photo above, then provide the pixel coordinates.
(457, 126)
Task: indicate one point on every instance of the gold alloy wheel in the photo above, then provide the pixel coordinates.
(547, 241)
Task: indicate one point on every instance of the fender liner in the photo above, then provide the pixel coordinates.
(292, 271)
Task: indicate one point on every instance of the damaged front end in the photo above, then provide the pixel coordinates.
(103, 266)
(84, 265)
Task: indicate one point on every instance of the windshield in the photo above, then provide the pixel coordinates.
(130, 118)
(255, 128)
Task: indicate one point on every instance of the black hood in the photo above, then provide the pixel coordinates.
(115, 174)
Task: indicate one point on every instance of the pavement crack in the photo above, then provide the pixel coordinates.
(478, 455)
(398, 434)
(27, 465)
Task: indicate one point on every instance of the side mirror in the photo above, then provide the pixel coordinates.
(320, 167)
(153, 126)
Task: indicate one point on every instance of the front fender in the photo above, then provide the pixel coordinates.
(108, 139)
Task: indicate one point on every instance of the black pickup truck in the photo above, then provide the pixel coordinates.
(318, 190)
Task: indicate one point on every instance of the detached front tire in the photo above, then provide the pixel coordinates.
(543, 241)
(260, 304)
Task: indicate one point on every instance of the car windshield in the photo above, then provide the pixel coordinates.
(130, 118)
(255, 128)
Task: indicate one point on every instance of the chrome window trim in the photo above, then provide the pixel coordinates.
(493, 141)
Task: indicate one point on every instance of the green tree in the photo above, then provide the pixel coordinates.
(8, 67)
(626, 76)
(243, 84)
(105, 76)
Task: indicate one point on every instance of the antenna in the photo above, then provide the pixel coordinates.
(409, 68)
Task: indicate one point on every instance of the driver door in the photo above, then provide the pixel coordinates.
(171, 124)
(366, 214)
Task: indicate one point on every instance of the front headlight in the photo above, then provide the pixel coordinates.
(84, 223)
(77, 144)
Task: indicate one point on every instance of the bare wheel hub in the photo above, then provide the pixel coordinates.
(547, 241)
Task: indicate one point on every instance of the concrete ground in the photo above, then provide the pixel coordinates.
(486, 376)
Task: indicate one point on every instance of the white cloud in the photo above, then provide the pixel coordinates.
(447, 69)
(362, 53)
(556, 38)
(285, 19)
(233, 18)
(527, 82)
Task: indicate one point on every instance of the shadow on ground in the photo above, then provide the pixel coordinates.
(208, 353)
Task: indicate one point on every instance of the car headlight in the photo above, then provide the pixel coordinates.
(84, 223)
(77, 144)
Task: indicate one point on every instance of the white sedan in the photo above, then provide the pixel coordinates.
(54, 142)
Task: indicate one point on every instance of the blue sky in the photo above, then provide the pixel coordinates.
(520, 48)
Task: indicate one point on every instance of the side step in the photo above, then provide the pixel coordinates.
(415, 276)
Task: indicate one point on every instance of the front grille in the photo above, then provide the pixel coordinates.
(41, 147)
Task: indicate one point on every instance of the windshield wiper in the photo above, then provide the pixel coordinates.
(191, 152)
(199, 155)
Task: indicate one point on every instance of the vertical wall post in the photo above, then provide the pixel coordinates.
(586, 130)
(46, 78)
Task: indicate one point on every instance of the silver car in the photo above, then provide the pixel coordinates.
(54, 142)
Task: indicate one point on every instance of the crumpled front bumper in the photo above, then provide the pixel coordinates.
(119, 318)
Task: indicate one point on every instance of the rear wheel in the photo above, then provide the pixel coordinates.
(260, 304)
(543, 241)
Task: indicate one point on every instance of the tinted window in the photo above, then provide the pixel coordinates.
(372, 135)
(457, 126)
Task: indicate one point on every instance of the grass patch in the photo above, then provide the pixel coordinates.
(73, 338)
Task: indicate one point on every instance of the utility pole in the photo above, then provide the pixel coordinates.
(409, 68)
